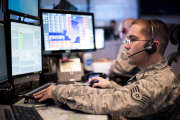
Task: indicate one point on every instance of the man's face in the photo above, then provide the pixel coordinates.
(138, 40)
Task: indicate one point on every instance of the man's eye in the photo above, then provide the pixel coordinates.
(133, 39)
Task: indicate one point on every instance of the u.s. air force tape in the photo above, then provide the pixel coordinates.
(138, 96)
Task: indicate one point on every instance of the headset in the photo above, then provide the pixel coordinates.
(150, 47)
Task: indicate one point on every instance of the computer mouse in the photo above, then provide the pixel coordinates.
(92, 83)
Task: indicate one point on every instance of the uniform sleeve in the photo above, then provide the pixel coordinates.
(135, 100)
(114, 85)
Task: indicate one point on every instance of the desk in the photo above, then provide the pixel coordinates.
(57, 113)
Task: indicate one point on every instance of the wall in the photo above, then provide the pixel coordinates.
(106, 10)
(49, 4)
(110, 50)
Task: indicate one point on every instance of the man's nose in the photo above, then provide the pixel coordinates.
(127, 46)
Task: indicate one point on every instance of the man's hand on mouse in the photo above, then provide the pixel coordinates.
(102, 83)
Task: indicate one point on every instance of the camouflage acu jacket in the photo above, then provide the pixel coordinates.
(149, 91)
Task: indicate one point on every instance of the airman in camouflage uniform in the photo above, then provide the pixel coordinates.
(150, 91)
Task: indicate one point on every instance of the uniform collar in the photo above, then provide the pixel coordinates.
(152, 68)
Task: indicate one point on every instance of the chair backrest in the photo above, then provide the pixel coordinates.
(174, 111)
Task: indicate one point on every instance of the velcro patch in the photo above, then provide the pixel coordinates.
(138, 96)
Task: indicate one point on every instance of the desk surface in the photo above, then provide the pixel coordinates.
(57, 113)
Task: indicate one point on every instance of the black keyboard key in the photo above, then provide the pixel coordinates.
(26, 113)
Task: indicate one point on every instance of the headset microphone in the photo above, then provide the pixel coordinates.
(136, 53)
(145, 49)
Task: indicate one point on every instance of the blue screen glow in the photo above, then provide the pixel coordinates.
(29, 7)
(67, 31)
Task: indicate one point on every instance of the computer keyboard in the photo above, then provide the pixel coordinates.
(25, 113)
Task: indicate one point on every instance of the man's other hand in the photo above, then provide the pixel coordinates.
(45, 93)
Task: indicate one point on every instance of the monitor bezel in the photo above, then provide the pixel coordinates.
(30, 73)
(65, 12)
(21, 14)
(104, 39)
(5, 80)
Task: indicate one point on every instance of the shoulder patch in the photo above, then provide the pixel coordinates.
(138, 96)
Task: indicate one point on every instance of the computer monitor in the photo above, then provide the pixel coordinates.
(3, 60)
(99, 33)
(67, 31)
(26, 8)
(26, 50)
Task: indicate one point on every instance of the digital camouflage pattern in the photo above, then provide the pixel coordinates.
(149, 91)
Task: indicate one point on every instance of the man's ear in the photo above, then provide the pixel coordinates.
(157, 43)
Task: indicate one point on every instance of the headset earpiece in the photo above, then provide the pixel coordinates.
(150, 47)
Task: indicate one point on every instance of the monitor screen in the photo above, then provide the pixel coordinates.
(25, 48)
(65, 30)
(28, 7)
(3, 61)
(99, 33)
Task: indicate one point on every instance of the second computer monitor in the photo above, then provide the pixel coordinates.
(99, 33)
(25, 48)
(67, 30)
